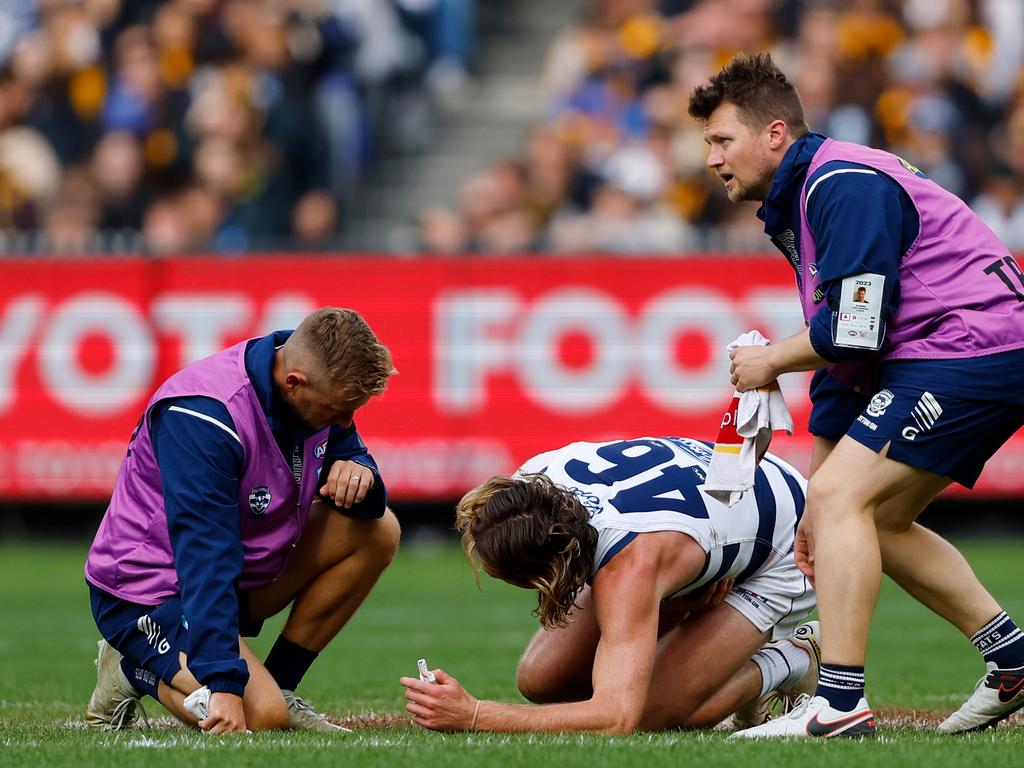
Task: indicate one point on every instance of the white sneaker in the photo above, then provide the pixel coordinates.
(997, 695)
(302, 717)
(782, 700)
(114, 704)
(814, 717)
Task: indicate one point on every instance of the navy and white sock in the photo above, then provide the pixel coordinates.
(842, 685)
(782, 665)
(139, 678)
(1000, 641)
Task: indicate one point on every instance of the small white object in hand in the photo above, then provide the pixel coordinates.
(197, 703)
(425, 674)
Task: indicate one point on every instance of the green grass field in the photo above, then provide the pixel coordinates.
(428, 605)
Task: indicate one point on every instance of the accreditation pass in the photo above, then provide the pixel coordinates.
(858, 322)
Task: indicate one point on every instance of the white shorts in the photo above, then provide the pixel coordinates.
(777, 598)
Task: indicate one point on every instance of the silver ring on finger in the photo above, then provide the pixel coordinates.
(353, 477)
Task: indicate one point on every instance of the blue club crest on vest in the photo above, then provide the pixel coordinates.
(259, 500)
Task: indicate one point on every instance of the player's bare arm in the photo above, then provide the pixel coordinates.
(756, 366)
(627, 595)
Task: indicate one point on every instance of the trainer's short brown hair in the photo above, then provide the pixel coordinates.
(533, 533)
(348, 353)
(759, 90)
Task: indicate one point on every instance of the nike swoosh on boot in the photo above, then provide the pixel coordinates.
(834, 727)
(1006, 695)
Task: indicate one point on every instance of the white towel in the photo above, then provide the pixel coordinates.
(745, 434)
(197, 703)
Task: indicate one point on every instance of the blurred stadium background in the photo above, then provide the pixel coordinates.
(510, 192)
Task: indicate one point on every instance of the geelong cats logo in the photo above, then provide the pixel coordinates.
(259, 500)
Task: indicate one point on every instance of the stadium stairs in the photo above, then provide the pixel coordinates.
(488, 119)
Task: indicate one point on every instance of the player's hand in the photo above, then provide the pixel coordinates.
(440, 706)
(804, 548)
(225, 714)
(710, 597)
(348, 482)
(751, 367)
(715, 593)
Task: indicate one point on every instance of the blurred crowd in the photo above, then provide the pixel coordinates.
(618, 165)
(223, 125)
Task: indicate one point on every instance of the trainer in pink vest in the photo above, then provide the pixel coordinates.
(131, 554)
(955, 300)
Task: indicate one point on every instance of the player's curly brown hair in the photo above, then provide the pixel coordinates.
(533, 533)
(758, 88)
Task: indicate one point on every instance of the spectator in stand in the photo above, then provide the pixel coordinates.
(938, 83)
(71, 220)
(206, 123)
(442, 231)
(446, 28)
(116, 167)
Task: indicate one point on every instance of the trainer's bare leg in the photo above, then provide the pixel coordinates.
(920, 561)
(927, 566)
(262, 702)
(332, 569)
(820, 450)
(843, 497)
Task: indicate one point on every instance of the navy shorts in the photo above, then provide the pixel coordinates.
(947, 417)
(152, 636)
(834, 406)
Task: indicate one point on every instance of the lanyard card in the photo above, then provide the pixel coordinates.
(858, 322)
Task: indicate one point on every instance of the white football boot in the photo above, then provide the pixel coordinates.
(997, 695)
(782, 700)
(302, 717)
(114, 704)
(814, 717)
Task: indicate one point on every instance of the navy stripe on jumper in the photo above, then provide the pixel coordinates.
(794, 488)
(766, 512)
(729, 554)
(616, 548)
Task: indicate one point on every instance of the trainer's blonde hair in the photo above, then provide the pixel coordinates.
(341, 345)
(533, 533)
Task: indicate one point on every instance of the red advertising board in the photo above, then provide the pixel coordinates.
(498, 359)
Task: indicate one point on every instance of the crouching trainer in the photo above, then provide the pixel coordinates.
(660, 607)
(245, 489)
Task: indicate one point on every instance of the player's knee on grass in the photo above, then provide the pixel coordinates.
(532, 679)
(542, 682)
(531, 684)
